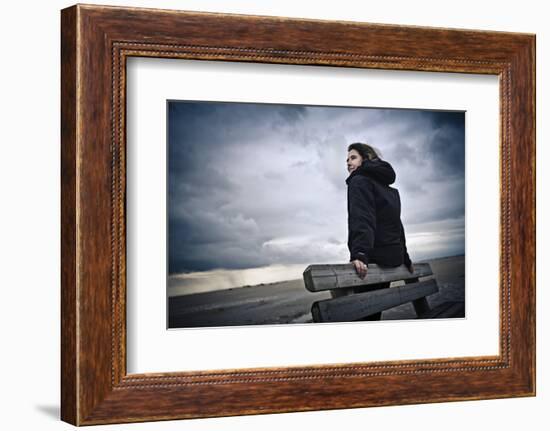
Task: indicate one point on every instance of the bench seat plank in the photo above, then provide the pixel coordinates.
(358, 306)
(328, 277)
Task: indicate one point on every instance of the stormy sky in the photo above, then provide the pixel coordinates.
(260, 185)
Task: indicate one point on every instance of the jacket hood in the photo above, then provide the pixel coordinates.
(377, 169)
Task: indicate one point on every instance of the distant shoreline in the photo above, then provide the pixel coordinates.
(289, 301)
(429, 259)
(196, 291)
(440, 258)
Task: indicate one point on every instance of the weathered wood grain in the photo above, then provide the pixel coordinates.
(328, 277)
(96, 41)
(354, 307)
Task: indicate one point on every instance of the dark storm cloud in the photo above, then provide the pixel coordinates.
(432, 140)
(251, 185)
(446, 143)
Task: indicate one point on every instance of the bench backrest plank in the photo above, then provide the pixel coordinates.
(327, 277)
(354, 307)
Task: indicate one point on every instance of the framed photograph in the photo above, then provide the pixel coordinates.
(283, 206)
(264, 214)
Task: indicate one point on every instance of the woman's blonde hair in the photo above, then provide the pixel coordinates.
(366, 151)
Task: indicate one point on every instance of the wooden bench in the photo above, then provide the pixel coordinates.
(351, 302)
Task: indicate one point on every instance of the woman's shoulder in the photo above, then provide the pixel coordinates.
(359, 180)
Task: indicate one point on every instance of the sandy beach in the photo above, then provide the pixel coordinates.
(289, 302)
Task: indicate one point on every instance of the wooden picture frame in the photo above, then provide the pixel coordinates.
(95, 43)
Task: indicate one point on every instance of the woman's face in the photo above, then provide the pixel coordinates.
(354, 160)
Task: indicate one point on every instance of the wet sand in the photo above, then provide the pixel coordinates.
(289, 301)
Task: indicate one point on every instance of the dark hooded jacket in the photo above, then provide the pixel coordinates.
(375, 231)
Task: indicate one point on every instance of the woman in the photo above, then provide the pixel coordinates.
(375, 231)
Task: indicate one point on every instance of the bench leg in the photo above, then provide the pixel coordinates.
(421, 306)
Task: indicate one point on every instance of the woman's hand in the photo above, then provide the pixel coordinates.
(360, 267)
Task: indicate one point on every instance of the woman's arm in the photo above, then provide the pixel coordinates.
(361, 218)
